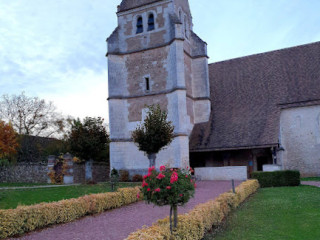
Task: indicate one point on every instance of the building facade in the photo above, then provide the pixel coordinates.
(233, 113)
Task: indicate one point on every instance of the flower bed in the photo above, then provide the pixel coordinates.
(202, 218)
(28, 218)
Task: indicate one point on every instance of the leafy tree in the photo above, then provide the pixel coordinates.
(154, 134)
(31, 115)
(89, 141)
(8, 140)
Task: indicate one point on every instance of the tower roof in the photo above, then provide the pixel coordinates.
(130, 4)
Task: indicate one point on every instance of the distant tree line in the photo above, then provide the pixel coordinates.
(38, 131)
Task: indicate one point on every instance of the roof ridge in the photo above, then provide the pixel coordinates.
(268, 52)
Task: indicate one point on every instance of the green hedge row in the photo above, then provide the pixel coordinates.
(278, 178)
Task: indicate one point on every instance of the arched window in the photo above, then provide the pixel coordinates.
(180, 15)
(139, 25)
(151, 22)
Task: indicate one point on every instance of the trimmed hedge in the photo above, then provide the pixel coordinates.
(28, 218)
(278, 178)
(201, 219)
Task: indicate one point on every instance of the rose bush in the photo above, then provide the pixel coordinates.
(170, 186)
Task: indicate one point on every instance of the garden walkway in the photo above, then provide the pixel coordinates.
(311, 183)
(39, 186)
(117, 224)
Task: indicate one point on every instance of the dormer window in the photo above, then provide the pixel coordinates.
(151, 22)
(139, 25)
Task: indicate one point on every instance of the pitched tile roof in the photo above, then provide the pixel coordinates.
(130, 4)
(247, 95)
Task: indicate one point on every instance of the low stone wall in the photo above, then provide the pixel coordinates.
(24, 172)
(37, 173)
(271, 168)
(221, 173)
(100, 172)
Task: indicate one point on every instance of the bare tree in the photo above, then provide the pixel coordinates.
(32, 116)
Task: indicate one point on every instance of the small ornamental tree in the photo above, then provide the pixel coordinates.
(154, 134)
(172, 187)
(8, 140)
(89, 141)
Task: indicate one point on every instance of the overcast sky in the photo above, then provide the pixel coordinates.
(55, 49)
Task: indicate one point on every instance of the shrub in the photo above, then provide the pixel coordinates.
(202, 218)
(27, 218)
(124, 176)
(137, 178)
(278, 178)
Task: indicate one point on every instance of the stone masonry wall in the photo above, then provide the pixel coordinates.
(24, 172)
(37, 173)
(300, 138)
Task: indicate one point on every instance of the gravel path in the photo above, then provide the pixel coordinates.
(317, 184)
(117, 224)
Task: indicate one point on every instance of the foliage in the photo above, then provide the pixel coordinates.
(114, 173)
(155, 133)
(28, 218)
(124, 176)
(8, 140)
(199, 220)
(137, 178)
(55, 176)
(89, 139)
(32, 116)
(313, 179)
(114, 179)
(278, 178)
(37, 149)
(168, 187)
(286, 213)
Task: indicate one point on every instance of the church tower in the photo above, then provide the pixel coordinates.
(154, 57)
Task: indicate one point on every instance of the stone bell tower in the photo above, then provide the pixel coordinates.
(155, 58)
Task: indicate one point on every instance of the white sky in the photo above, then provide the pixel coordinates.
(55, 49)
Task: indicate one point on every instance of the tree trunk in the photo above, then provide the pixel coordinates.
(175, 216)
(152, 159)
(173, 208)
(89, 170)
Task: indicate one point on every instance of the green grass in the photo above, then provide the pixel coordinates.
(311, 179)
(22, 184)
(287, 213)
(13, 198)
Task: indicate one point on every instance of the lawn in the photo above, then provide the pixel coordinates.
(288, 213)
(311, 179)
(13, 198)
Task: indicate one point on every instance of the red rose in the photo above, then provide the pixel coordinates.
(162, 168)
(145, 177)
(148, 189)
(144, 184)
(160, 176)
(168, 187)
(138, 195)
(151, 169)
(174, 177)
(195, 185)
(181, 195)
(187, 176)
(157, 190)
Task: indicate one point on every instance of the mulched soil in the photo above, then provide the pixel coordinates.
(117, 224)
